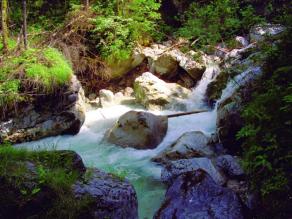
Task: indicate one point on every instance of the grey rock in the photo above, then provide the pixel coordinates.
(39, 120)
(195, 195)
(154, 93)
(106, 97)
(260, 32)
(230, 166)
(190, 144)
(140, 130)
(112, 197)
(175, 168)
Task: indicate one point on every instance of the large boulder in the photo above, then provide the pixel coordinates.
(47, 116)
(141, 130)
(175, 168)
(193, 67)
(165, 64)
(165, 60)
(189, 145)
(154, 93)
(112, 197)
(196, 195)
(118, 69)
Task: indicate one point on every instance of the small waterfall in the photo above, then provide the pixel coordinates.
(240, 80)
(196, 101)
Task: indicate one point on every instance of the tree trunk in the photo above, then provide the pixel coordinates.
(24, 16)
(86, 3)
(186, 113)
(4, 26)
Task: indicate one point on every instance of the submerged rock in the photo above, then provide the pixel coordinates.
(112, 197)
(139, 130)
(154, 93)
(196, 195)
(175, 168)
(190, 144)
(47, 116)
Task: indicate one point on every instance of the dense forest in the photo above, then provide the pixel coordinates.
(61, 61)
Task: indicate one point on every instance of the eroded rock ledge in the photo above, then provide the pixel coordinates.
(47, 116)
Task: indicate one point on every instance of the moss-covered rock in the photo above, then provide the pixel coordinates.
(57, 185)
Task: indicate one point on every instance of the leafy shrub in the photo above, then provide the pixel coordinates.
(268, 130)
(119, 27)
(216, 21)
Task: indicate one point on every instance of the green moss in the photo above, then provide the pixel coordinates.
(33, 71)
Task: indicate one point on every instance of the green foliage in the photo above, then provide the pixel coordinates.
(120, 27)
(11, 44)
(42, 70)
(217, 21)
(268, 130)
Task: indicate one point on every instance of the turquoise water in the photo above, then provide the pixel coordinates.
(134, 165)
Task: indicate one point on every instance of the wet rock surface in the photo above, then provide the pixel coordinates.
(196, 195)
(47, 117)
(190, 144)
(140, 130)
(175, 168)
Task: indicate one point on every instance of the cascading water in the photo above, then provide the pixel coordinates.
(134, 164)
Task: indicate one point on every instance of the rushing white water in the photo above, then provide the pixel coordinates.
(242, 79)
(134, 164)
(196, 101)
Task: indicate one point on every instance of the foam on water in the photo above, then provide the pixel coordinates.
(135, 164)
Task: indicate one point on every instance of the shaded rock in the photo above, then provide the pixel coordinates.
(112, 197)
(175, 168)
(194, 68)
(230, 166)
(92, 96)
(187, 80)
(154, 93)
(139, 130)
(229, 122)
(165, 64)
(59, 115)
(94, 195)
(71, 160)
(260, 32)
(190, 144)
(196, 195)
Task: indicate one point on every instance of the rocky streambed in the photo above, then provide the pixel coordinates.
(193, 172)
